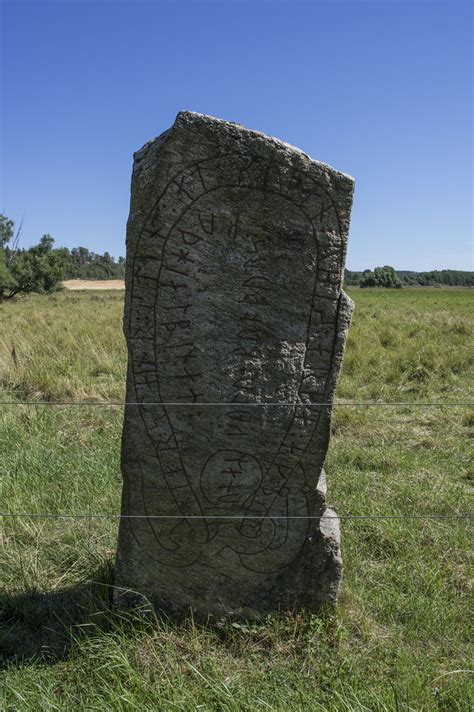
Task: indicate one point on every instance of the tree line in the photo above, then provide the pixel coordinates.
(81, 263)
(42, 268)
(389, 277)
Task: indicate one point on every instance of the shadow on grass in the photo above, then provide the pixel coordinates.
(42, 627)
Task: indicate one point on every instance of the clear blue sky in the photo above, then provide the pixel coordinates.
(381, 90)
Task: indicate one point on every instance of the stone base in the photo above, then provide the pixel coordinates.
(312, 583)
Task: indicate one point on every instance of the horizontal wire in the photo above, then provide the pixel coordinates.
(225, 517)
(240, 405)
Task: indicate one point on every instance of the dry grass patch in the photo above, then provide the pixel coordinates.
(76, 285)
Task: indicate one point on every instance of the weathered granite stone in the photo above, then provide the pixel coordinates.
(235, 323)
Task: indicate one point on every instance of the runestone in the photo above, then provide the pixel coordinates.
(235, 322)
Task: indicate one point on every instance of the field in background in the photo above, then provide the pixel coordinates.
(75, 285)
(400, 639)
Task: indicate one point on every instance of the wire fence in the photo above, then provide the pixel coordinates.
(200, 404)
(180, 517)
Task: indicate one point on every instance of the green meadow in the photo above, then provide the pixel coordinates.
(401, 636)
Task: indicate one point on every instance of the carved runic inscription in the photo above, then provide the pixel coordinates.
(235, 322)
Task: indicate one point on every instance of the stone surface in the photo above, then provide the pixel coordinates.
(235, 322)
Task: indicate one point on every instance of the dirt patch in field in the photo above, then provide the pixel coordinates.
(78, 284)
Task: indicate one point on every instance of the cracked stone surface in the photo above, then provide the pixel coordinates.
(235, 322)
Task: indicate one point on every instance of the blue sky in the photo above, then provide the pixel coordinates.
(381, 90)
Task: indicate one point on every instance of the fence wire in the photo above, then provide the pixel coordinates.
(335, 404)
(180, 517)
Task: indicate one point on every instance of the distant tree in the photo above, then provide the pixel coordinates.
(388, 277)
(7, 228)
(37, 269)
(381, 277)
(352, 279)
(450, 277)
(83, 264)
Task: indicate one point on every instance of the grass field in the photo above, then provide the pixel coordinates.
(400, 638)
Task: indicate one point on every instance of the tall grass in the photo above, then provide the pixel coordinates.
(68, 346)
(400, 638)
(402, 346)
